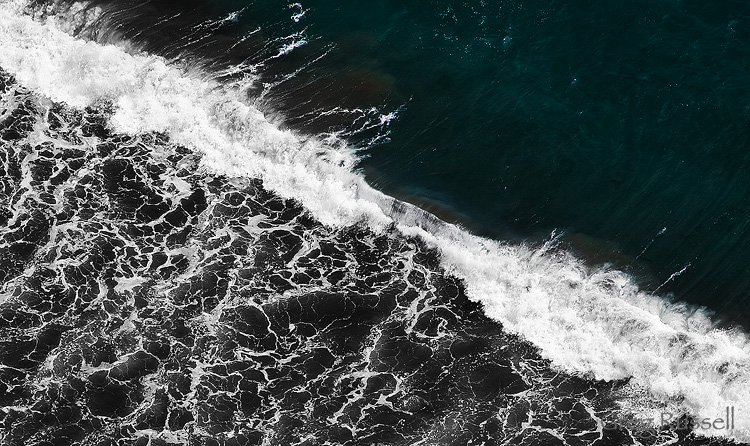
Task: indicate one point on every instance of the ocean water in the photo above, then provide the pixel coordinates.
(391, 223)
(623, 127)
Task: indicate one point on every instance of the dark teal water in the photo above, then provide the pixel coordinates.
(606, 121)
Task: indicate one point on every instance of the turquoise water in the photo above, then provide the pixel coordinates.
(624, 126)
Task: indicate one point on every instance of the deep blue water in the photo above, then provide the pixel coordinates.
(625, 127)
(609, 122)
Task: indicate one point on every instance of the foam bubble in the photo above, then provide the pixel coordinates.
(591, 322)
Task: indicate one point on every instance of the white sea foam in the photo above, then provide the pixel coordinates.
(300, 13)
(292, 42)
(151, 95)
(597, 323)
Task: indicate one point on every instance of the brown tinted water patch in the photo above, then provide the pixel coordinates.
(320, 101)
(365, 87)
(597, 251)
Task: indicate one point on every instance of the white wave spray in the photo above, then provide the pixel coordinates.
(596, 323)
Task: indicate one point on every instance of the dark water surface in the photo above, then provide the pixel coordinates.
(615, 121)
(608, 122)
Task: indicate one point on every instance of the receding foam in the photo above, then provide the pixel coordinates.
(590, 322)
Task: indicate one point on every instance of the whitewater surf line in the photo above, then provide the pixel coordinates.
(594, 323)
